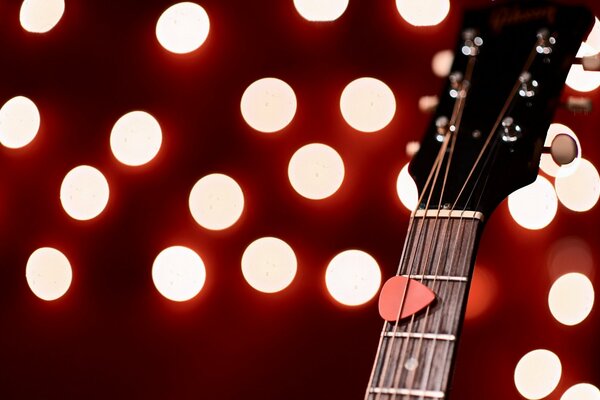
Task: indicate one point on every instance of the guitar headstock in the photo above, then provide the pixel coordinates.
(487, 134)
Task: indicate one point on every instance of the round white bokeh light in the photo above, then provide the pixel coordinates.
(269, 264)
(534, 206)
(316, 171)
(578, 190)
(48, 273)
(441, 63)
(178, 273)
(321, 10)
(367, 104)
(19, 122)
(268, 105)
(84, 192)
(135, 138)
(537, 374)
(353, 277)
(183, 27)
(547, 164)
(581, 391)
(39, 16)
(571, 298)
(216, 202)
(407, 189)
(423, 13)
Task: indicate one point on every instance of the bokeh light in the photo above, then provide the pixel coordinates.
(441, 63)
(321, 10)
(482, 293)
(571, 298)
(407, 189)
(423, 13)
(48, 273)
(269, 264)
(183, 27)
(579, 79)
(135, 138)
(582, 391)
(537, 374)
(84, 192)
(216, 202)
(316, 171)
(268, 105)
(367, 104)
(40, 16)
(593, 40)
(19, 122)
(178, 273)
(570, 254)
(547, 164)
(578, 190)
(534, 206)
(353, 277)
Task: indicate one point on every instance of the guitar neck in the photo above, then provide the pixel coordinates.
(416, 355)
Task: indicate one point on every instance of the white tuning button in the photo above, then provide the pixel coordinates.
(563, 149)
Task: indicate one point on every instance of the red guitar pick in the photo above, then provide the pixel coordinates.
(417, 298)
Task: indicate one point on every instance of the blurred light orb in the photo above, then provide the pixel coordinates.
(269, 264)
(441, 63)
(367, 104)
(135, 138)
(593, 40)
(547, 164)
(582, 81)
(353, 277)
(578, 190)
(571, 298)
(39, 16)
(183, 27)
(84, 193)
(178, 273)
(316, 171)
(216, 202)
(321, 10)
(48, 273)
(19, 122)
(582, 391)
(407, 189)
(268, 105)
(423, 12)
(534, 206)
(537, 374)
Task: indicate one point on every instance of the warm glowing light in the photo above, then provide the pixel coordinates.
(19, 122)
(407, 189)
(537, 374)
(441, 63)
(570, 254)
(321, 10)
(423, 13)
(216, 202)
(579, 79)
(353, 277)
(268, 105)
(579, 190)
(482, 293)
(183, 27)
(582, 391)
(547, 164)
(571, 298)
(178, 273)
(316, 171)
(269, 264)
(368, 104)
(135, 138)
(39, 16)
(534, 206)
(84, 192)
(593, 39)
(48, 273)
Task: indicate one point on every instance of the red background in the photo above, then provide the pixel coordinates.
(113, 335)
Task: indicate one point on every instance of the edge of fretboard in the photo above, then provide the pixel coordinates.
(464, 214)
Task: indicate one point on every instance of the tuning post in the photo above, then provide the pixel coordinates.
(510, 131)
(476, 134)
(545, 42)
(528, 85)
(472, 42)
(563, 149)
(442, 125)
(458, 85)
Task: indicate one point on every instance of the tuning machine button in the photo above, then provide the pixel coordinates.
(472, 42)
(528, 85)
(545, 42)
(563, 149)
(510, 131)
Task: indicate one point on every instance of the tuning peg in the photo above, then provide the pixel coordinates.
(578, 104)
(563, 149)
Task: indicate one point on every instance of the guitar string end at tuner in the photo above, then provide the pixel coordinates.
(510, 131)
(528, 85)
(442, 125)
(472, 42)
(563, 149)
(545, 42)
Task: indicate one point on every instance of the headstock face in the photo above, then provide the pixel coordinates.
(515, 57)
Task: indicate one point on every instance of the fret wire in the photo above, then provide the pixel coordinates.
(438, 336)
(434, 394)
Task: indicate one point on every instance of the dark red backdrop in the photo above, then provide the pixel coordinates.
(113, 336)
